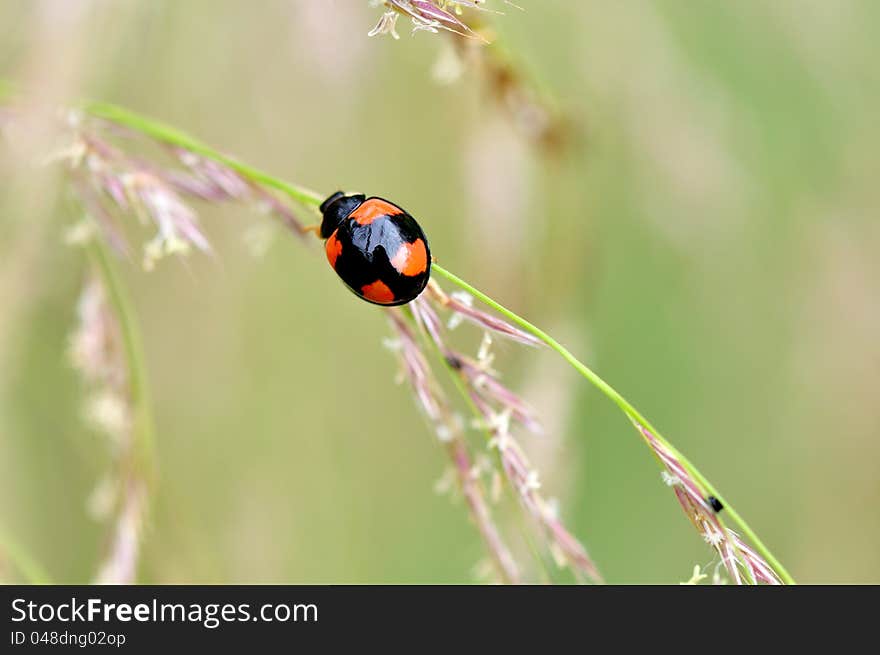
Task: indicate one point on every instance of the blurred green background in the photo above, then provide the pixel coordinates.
(710, 245)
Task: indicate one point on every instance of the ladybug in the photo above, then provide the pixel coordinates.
(376, 247)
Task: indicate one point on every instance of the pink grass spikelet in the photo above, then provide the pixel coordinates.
(478, 374)
(524, 480)
(177, 223)
(282, 211)
(96, 344)
(448, 430)
(225, 183)
(97, 352)
(736, 556)
(387, 25)
(498, 408)
(461, 305)
(426, 15)
(120, 564)
(111, 182)
(485, 383)
(132, 186)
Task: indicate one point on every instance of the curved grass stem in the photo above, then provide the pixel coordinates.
(137, 464)
(631, 412)
(172, 136)
(429, 345)
(143, 432)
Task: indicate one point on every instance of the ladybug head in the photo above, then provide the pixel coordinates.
(336, 208)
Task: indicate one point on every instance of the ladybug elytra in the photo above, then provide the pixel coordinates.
(376, 247)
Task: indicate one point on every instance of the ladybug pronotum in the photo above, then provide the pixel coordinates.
(376, 247)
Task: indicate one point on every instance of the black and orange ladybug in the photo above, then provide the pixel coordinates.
(376, 247)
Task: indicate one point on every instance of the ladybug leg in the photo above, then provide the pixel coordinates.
(438, 293)
(314, 229)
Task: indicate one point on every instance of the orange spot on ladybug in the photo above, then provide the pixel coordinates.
(411, 258)
(333, 248)
(373, 208)
(378, 292)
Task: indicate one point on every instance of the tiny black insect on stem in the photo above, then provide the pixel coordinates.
(715, 504)
(454, 362)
